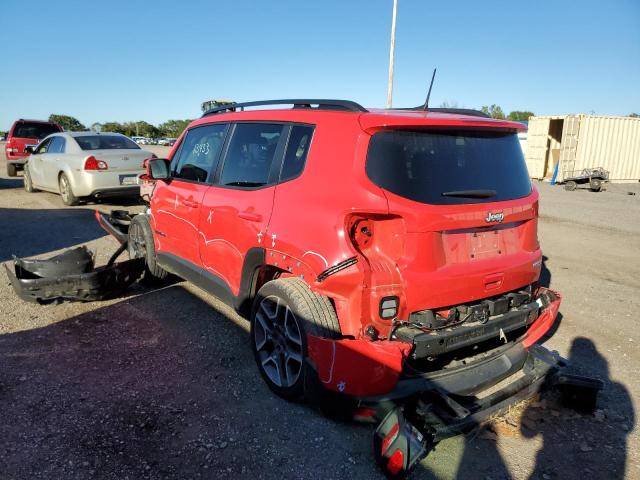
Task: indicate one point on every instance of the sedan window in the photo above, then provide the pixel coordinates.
(44, 146)
(57, 145)
(106, 142)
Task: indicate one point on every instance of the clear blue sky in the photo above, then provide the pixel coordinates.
(132, 60)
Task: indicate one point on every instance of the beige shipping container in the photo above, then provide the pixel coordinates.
(576, 142)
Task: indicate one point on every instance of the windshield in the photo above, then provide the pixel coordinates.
(105, 142)
(34, 130)
(449, 167)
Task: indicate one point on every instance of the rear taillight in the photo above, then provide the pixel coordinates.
(92, 163)
(145, 162)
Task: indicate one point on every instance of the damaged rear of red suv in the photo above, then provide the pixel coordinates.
(389, 256)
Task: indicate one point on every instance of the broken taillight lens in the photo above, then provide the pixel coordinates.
(92, 163)
(361, 232)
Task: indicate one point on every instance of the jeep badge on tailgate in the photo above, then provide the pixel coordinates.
(494, 217)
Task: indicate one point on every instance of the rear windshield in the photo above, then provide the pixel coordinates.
(34, 130)
(449, 167)
(105, 142)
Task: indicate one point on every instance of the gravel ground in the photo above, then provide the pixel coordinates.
(162, 384)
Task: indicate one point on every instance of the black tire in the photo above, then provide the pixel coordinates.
(12, 170)
(570, 186)
(595, 184)
(28, 183)
(312, 314)
(66, 192)
(141, 245)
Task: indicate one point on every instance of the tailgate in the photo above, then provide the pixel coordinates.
(468, 208)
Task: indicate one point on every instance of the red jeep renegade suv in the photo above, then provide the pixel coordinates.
(25, 133)
(377, 253)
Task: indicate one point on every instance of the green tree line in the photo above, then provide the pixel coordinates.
(495, 111)
(170, 128)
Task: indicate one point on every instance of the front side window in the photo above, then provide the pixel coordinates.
(296, 153)
(199, 152)
(106, 142)
(250, 155)
(449, 167)
(44, 146)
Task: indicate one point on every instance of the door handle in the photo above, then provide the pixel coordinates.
(252, 217)
(190, 203)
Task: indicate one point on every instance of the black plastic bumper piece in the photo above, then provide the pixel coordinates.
(71, 276)
(116, 223)
(434, 343)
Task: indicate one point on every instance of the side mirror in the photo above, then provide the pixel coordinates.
(30, 149)
(159, 168)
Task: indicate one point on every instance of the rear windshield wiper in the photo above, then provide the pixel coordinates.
(245, 184)
(471, 193)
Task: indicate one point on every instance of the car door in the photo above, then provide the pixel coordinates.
(175, 205)
(36, 162)
(51, 162)
(236, 209)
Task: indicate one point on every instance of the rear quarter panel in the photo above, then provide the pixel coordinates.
(308, 229)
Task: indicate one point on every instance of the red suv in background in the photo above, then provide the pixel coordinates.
(25, 133)
(378, 254)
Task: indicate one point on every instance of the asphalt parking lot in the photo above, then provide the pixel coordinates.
(162, 383)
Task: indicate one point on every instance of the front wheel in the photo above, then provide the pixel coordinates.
(68, 198)
(28, 183)
(141, 245)
(285, 311)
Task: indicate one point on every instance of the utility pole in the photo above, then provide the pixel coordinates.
(391, 52)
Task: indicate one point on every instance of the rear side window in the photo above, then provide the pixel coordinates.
(199, 152)
(250, 155)
(449, 167)
(106, 142)
(34, 130)
(296, 153)
(57, 145)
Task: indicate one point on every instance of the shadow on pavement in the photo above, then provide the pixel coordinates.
(29, 232)
(588, 445)
(6, 183)
(164, 385)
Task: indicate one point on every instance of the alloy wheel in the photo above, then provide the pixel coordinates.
(64, 189)
(278, 341)
(137, 245)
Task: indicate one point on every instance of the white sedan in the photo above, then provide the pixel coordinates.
(85, 164)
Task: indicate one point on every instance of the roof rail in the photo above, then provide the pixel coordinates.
(456, 111)
(322, 104)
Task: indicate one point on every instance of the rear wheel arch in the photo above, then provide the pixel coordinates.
(255, 273)
(271, 339)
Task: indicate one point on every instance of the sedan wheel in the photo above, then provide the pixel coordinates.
(68, 198)
(28, 183)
